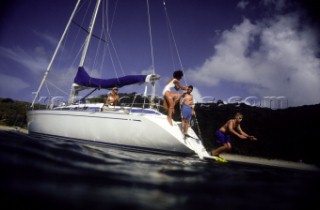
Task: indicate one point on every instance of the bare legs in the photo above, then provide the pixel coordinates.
(224, 148)
(185, 126)
(171, 99)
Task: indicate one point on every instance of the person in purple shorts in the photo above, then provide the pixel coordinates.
(187, 109)
(223, 134)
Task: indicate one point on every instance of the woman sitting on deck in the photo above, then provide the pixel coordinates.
(112, 98)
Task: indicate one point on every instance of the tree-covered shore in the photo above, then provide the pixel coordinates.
(287, 134)
(13, 113)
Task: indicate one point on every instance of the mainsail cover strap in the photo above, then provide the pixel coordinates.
(83, 79)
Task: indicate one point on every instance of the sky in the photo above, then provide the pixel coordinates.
(260, 52)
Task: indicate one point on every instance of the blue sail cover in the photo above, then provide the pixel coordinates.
(82, 78)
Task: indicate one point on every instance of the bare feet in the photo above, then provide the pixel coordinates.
(170, 121)
(213, 153)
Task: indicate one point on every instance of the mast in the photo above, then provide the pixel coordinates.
(55, 53)
(87, 42)
(151, 51)
(75, 88)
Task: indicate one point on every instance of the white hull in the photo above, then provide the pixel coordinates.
(122, 129)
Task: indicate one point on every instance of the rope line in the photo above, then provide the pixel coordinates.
(174, 40)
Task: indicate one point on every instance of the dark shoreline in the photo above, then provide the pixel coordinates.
(287, 134)
(232, 158)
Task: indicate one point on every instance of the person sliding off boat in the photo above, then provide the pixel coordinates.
(223, 135)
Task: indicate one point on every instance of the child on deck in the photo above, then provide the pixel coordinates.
(187, 109)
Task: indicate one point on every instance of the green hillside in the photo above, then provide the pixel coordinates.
(289, 134)
(13, 113)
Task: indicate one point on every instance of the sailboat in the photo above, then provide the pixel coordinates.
(128, 127)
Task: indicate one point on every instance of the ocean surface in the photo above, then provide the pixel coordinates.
(46, 174)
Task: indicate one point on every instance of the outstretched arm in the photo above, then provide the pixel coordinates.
(178, 84)
(252, 138)
(246, 135)
(241, 131)
(235, 132)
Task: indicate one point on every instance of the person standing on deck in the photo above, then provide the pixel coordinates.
(187, 109)
(170, 98)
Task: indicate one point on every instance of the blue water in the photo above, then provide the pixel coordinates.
(45, 174)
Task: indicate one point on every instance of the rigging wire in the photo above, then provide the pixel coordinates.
(102, 33)
(152, 56)
(110, 47)
(91, 26)
(46, 85)
(117, 55)
(52, 84)
(64, 80)
(99, 43)
(172, 38)
(113, 15)
(110, 39)
(54, 55)
(171, 49)
(110, 42)
(105, 37)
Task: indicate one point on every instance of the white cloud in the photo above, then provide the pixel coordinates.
(228, 61)
(279, 4)
(242, 4)
(35, 61)
(11, 85)
(270, 58)
(197, 97)
(49, 39)
(150, 70)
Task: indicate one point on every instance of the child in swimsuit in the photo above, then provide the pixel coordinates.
(187, 109)
(223, 134)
